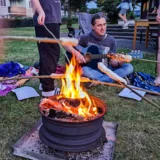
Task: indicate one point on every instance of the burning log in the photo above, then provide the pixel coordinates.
(70, 102)
(68, 109)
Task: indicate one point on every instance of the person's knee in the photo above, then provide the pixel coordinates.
(128, 68)
(87, 72)
(120, 15)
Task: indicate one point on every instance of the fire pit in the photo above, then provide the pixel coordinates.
(74, 135)
(72, 121)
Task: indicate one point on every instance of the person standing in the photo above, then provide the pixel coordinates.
(48, 13)
(125, 5)
(157, 80)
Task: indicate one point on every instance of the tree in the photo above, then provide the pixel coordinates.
(109, 7)
(74, 5)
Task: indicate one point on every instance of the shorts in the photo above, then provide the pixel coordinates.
(123, 11)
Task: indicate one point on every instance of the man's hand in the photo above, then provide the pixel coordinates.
(157, 81)
(41, 18)
(80, 58)
(115, 63)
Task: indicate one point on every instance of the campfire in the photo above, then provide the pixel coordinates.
(73, 103)
(72, 121)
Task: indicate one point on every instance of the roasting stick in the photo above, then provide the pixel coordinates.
(83, 79)
(63, 41)
(146, 60)
(121, 86)
(111, 74)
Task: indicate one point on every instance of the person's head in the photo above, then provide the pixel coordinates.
(99, 24)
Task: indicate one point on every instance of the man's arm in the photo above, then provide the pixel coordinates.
(74, 52)
(38, 8)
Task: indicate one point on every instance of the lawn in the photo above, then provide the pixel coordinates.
(139, 122)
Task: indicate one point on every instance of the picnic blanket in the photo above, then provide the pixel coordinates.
(143, 80)
(10, 69)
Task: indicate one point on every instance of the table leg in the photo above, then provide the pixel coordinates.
(135, 36)
(147, 30)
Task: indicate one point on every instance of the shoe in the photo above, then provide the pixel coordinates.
(40, 87)
(56, 91)
(125, 27)
(126, 24)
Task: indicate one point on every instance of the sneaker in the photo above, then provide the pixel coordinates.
(40, 87)
(125, 27)
(56, 91)
(126, 24)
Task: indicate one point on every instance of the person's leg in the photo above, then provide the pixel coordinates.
(49, 56)
(96, 75)
(122, 15)
(124, 70)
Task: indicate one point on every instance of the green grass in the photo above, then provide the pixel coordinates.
(139, 122)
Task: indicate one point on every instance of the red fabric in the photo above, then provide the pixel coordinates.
(60, 69)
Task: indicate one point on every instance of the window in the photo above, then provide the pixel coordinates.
(2, 2)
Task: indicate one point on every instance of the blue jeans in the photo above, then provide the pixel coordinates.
(96, 74)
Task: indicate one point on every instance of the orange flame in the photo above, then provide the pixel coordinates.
(72, 88)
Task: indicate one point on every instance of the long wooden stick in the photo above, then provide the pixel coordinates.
(147, 100)
(62, 41)
(122, 86)
(146, 60)
(83, 79)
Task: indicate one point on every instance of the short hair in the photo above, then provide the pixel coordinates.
(96, 16)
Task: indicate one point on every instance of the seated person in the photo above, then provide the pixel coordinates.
(157, 81)
(98, 42)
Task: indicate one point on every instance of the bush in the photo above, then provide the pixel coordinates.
(94, 10)
(27, 22)
(130, 15)
(73, 20)
(112, 16)
(14, 23)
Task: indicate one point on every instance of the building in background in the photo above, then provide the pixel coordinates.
(12, 8)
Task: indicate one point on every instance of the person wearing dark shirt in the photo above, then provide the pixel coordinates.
(48, 13)
(98, 42)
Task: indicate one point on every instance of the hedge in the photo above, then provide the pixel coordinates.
(26, 22)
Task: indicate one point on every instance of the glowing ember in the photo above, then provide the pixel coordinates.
(73, 99)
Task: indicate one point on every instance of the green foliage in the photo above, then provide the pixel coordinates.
(28, 22)
(94, 10)
(69, 23)
(109, 7)
(18, 22)
(130, 15)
